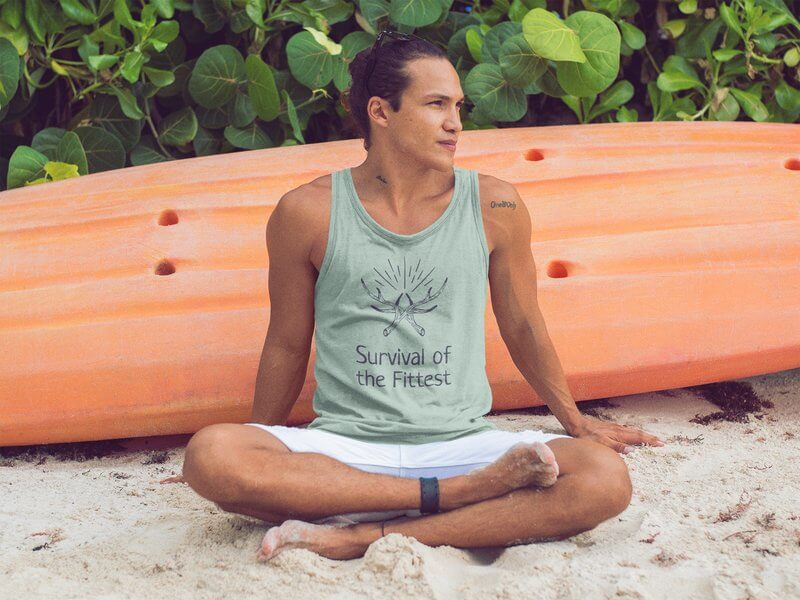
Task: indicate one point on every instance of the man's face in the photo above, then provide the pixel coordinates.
(429, 113)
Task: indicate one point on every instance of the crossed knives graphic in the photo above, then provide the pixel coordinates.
(408, 312)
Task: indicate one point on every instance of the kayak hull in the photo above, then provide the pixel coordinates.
(135, 301)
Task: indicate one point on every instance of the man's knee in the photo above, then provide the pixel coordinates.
(205, 457)
(607, 487)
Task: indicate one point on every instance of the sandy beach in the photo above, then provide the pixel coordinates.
(715, 514)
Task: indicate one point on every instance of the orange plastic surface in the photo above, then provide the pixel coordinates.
(134, 302)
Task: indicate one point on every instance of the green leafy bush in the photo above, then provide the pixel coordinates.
(93, 85)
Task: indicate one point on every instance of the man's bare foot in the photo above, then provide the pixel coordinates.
(331, 541)
(523, 465)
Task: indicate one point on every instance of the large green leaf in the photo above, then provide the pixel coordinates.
(206, 143)
(105, 112)
(103, 150)
(600, 42)
(26, 164)
(178, 128)
(249, 138)
(353, 43)
(216, 76)
(71, 151)
(146, 152)
(11, 13)
(372, 10)
(9, 71)
(518, 63)
(457, 48)
(213, 118)
(495, 38)
(172, 56)
(207, 12)
(552, 38)
(489, 90)
(18, 37)
(334, 11)
(474, 41)
(33, 18)
(309, 62)
(414, 13)
(46, 141)
(261, 88)
(240, 110)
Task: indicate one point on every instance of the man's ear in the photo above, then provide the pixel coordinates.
(379, 109)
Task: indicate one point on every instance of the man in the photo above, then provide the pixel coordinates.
(389, 260)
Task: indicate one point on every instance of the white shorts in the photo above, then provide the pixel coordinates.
(432, 459)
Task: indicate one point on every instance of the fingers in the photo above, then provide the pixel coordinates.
(615, 445)
(173, 479)
(632, 435)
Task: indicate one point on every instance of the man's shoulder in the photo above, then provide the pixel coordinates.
(309, 195)
(502, 208)
(493, 188)
(307, 204)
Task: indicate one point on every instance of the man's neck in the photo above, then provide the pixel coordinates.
(399, 185)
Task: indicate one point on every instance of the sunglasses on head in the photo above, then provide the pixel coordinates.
(373, 54)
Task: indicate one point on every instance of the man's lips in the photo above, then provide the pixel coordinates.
(451, 145)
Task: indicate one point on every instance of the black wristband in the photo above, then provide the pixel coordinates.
(429, 495)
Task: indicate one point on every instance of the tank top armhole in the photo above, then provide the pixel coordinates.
(476, 212)
(331, 243)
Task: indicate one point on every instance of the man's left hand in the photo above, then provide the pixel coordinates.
(618, 437)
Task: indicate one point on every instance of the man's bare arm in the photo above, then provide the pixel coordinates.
(512, 279)
(292, 276)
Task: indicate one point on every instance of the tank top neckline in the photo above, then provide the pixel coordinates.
(455, 199)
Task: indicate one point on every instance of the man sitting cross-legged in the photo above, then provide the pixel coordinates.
(390, 261)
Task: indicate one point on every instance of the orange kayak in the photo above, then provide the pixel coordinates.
(134, 302)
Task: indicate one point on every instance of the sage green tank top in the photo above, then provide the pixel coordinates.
(400, 346)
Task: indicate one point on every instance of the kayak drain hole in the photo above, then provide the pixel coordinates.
(557, 270)
(534, 155)
(793, 164)
(168, 217)
(165, 267)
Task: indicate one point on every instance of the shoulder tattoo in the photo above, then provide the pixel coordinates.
(504, 204)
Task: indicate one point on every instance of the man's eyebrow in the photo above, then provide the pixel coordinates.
(443, 96)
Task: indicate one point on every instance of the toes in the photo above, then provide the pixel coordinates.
(268, 545)
(546, 455)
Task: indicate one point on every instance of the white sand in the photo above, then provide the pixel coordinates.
(113, 531)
